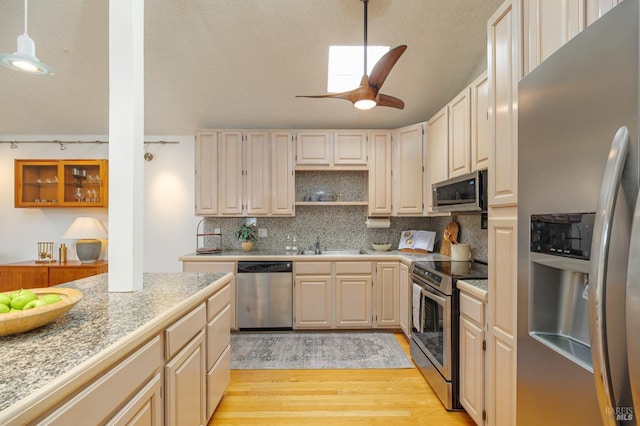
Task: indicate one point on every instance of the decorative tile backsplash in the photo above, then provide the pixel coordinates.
(343, 227)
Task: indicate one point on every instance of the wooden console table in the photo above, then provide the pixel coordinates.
(29, 274)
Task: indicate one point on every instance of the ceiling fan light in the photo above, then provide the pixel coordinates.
(364, 104)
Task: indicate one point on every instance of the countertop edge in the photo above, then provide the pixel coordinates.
(63, 387)
(370, 255)
(473, 290)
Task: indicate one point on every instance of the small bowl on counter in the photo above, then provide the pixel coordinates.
(381, 246)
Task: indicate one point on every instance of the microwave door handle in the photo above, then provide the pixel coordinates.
(598, 271)
(633, 308)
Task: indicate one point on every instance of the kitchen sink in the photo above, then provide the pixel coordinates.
(333, 252)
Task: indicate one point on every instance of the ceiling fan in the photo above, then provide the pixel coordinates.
(367, 95)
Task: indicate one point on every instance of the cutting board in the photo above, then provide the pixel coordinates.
(449, 237)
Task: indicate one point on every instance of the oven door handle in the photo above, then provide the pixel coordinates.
(441, 300)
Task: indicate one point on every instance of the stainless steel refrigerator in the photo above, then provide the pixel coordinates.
(578, 283)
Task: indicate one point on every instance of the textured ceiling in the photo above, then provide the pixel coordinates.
(238, 63)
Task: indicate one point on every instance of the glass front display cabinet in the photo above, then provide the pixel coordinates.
(61, 183)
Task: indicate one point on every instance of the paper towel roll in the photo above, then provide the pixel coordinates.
(378, 222)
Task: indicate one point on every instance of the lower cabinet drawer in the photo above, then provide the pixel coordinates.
(218, 336)
(218, 378)
(471, 307)
(183, 330)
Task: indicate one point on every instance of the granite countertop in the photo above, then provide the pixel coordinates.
(476, 288)
(370, 254)
(100, 321)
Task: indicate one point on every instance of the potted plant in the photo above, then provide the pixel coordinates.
(247, 234)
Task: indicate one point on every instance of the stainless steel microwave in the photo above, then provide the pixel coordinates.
(467, 193)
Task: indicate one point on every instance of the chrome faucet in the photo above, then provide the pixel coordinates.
(318, 245)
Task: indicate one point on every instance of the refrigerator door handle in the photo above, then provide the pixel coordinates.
(633, 308)
(598, 272)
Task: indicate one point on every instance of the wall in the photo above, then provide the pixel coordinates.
(170, 224)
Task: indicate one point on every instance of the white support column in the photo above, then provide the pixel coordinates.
(126, 143)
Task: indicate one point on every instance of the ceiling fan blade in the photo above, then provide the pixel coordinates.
(383, 67)
(351, 96)
(389, 101)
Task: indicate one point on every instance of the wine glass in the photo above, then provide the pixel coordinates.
(78, 195)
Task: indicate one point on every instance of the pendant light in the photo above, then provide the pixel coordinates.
(25, 58)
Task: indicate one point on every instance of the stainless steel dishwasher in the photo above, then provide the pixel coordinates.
(265, 295)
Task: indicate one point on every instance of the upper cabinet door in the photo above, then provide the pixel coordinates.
(460, 134)
(480, 123)
(503, 69)
(380, 173)
(350, 148)
(437, 152)
(230, 173)
(408, 171)
(547, 25)
(596, 8)
(256, 171)
(206, 169)
(282, 175)
(313, 148)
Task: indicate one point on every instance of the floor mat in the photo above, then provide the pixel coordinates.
(306, 350)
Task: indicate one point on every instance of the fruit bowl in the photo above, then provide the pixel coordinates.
(20, 321)
(381, 247)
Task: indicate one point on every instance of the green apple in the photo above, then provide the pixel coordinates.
(4, 309)
(22, 299)
(5, 299)
(35, 304)
(51, 298)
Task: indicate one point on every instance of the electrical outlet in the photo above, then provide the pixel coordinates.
(216, 231)
(262, 232)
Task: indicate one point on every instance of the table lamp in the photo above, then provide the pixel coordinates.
(87, 230)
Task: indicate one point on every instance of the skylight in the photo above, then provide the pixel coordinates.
(346, 65)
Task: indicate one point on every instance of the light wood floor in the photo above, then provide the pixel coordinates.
(333, 397)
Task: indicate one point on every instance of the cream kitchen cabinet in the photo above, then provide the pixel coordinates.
(334, 294)
(408, 171)
(331, 149)
(313, 295)
(313, 148)
(206, 173)
(480, 123)
(502, 317)
(504, 62)
(212, 266)
(460, 134)
(282, 174)
(353, 304)
(234, 166)
(472, 344)
(503, 73)
(379, 173)
(235, 174)
(185, 372)
(547, 25)
(133, 388)
(387, 295)
(405, 300)
(218, 348)
(438, 151)
(350, 148)
(596, 8)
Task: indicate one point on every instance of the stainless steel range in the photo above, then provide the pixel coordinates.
(435, 331)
